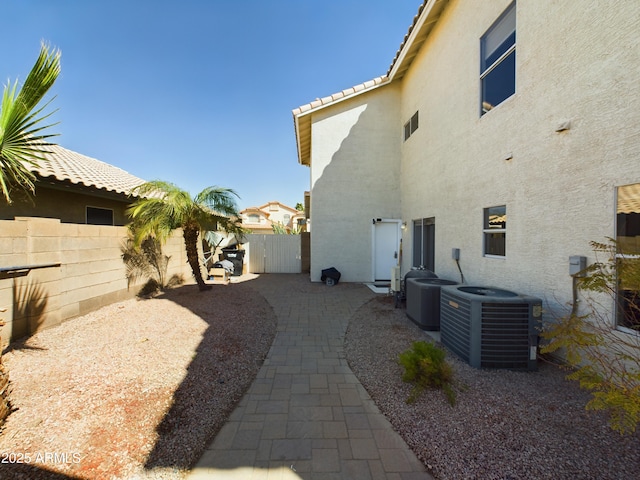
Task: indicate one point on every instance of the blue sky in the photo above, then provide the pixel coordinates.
(200, 92)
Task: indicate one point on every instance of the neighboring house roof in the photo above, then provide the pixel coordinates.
(423, 23)
(66, 166)
(266, 206)
(264, 209)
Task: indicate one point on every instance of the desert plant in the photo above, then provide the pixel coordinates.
(147, 261)
(426, 367)
(604, 360)
(281, 229)
(22, 140)
(163, 207)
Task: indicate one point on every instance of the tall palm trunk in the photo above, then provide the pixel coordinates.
(190, 235)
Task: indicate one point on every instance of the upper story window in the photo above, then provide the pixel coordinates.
(495, 230)
(99, 216)
(498, 61)
(411, 126)
(253, 218)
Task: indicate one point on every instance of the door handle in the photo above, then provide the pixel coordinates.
(395, 254)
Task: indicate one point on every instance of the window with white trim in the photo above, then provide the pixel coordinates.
(628, 243)
(423, 243)
(498, 61)
(495, 231)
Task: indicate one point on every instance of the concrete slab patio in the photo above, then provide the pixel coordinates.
(306, 416)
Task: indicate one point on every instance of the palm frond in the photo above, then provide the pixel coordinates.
(21, 127)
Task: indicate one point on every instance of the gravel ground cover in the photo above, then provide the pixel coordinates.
(505, 425)
(135, 389)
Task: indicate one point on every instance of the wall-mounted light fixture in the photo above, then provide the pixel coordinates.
(403, 226)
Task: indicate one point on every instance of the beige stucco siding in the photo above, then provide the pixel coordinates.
(70, 206)
(354, 178)
(576, 62)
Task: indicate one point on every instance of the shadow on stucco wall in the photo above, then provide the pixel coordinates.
(355, 178)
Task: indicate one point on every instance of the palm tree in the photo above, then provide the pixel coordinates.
(162, 207)
(22, 141)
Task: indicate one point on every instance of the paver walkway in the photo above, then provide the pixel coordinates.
(306, 416)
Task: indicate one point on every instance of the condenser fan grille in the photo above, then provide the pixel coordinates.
(490, 331)
(455, 325)
(505, 335)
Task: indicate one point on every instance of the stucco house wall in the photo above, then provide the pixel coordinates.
(354, 178)
(69, 205)
(558, 187)
(577, 64)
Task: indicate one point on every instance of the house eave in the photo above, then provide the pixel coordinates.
(303, 114)
(423, 23)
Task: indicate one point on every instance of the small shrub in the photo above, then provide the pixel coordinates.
(604, 360)
(425, 366)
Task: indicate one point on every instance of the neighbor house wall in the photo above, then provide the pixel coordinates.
(68, 205)
(354, 178)
(576, 62)
(80, 270)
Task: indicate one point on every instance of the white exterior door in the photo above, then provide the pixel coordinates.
(386, 241)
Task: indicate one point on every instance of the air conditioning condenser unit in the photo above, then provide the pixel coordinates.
(489, 327)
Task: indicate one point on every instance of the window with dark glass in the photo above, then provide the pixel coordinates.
(498, 61)
(423, 243)
(411, 126)
(495, 230)
(628, 258)
(99, 216)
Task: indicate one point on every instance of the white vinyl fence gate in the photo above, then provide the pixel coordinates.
(274, 253)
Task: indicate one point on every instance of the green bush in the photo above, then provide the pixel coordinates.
(425, 366)
(604, 360)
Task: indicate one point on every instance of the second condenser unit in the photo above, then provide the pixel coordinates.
(423, 301)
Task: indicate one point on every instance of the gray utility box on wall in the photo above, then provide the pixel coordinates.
(489, 327)
(423, 301)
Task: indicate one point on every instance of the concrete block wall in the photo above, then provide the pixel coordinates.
(74, 269)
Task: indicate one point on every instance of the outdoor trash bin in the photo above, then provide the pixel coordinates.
(330, 276)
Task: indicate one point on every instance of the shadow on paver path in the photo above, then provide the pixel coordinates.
(306, 416)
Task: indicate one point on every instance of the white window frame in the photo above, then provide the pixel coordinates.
(497, 26)
(616, 307)
(486, 231)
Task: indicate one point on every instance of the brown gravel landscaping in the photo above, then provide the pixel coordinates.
(135, 389)
(506, 425)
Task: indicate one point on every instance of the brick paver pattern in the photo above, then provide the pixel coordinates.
(306, 415)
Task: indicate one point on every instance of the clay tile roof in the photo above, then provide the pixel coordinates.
(66, 165)
(318, 102)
